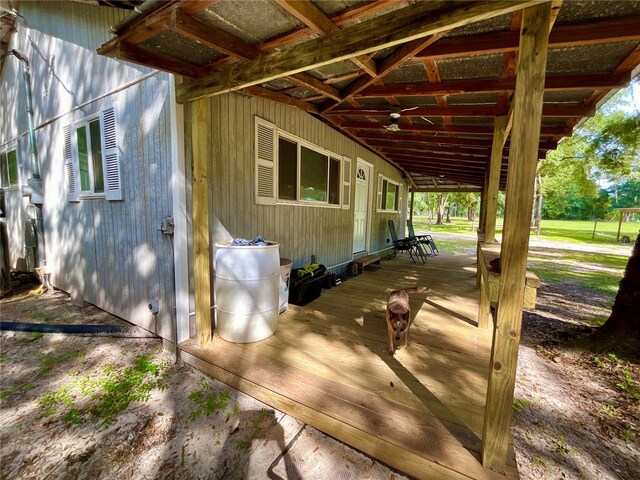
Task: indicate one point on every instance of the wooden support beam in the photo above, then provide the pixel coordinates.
(280, 98)
(401, 138)
(562, 83)
(236, 47)
(478, 154)
(494, 179)
(313, 17)
(611, 30)
(466, 111)
(340, 18)
(413, 192)
(200, 136)
(410, 23)
(527, 116)
(388, 65)
(147, 58)
(463, 129)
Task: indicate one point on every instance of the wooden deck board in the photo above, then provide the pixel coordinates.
(328, 365)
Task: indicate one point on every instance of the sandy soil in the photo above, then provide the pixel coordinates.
(571, 420)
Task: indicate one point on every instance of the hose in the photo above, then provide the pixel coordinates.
(110, 330)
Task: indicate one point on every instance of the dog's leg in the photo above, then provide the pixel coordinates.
(405, 338)
(390, 333)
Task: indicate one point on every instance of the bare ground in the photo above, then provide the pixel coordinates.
(572, 419)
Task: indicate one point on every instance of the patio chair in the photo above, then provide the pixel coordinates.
(425, 240)
(409, 245)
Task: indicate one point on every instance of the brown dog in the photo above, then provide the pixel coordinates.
(399, 316)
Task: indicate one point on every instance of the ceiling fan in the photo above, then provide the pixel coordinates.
(394, 118)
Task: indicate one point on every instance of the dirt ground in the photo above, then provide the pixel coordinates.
(105, 407)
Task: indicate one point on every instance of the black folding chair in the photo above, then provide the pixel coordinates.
(409, 245)
(425, 240)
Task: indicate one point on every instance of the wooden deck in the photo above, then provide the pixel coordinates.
(420, 411)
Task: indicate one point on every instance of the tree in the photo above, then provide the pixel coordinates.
(621, 331)
(605, 150)
(441, 199)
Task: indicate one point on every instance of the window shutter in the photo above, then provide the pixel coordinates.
(380, 204)
(265, 152)
(346, 182)
(70, 167)
(110, 156)
(400, 206)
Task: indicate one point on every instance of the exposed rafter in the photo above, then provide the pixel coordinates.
(410, 23)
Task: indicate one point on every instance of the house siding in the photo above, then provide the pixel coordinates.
(301, 231)
(108, 253)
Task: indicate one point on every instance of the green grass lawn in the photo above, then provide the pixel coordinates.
(572, 231)
(556, 263)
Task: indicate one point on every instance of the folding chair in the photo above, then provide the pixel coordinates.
(425, 239)
(409, 245)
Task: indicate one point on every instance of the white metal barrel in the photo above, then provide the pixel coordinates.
(247, 290)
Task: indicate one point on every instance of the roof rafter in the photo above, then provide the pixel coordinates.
(410, 23)
(611, 30)
(312, 16)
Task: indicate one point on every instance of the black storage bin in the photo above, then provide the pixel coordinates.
(303, 290)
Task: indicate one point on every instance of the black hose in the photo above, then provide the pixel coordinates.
(112, 330)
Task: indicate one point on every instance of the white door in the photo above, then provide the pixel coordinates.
(361, 208)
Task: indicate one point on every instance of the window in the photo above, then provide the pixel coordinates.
(389, 195)
(9, 168)
(306, 173)
(89, 152)
(92, 163)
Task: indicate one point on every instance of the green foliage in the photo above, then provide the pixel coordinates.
(628, 385)
(43, 316)
(626, 194)
(36, 335)
(6, 393)
(519, 404)
(3, 358)
(561, 445)
(109, 389)
(50, 361)
(606, 149)
(208, 401)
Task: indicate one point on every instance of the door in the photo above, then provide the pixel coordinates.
(361, 207)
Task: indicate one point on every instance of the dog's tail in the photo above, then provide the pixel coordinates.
(417, 290)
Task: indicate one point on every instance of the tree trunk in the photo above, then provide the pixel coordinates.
(448, 214)
(621, 332)
(538, 221)
(442, 201)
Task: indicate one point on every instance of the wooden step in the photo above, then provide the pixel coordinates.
(368, 260)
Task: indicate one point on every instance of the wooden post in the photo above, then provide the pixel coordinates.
(619, 227)
(411, 206)
(523, 156)
(483, 205)
(201, 121)
(595, 224)
(493, 184)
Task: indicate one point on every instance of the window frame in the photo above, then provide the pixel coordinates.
(85, 122)
(279, 133)
(11, 146)
(382, 203)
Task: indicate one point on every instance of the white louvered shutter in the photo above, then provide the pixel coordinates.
(70, 167)
(265, 152)
(400, 205)
(346, 182)
(380, 199)
(110, 155)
